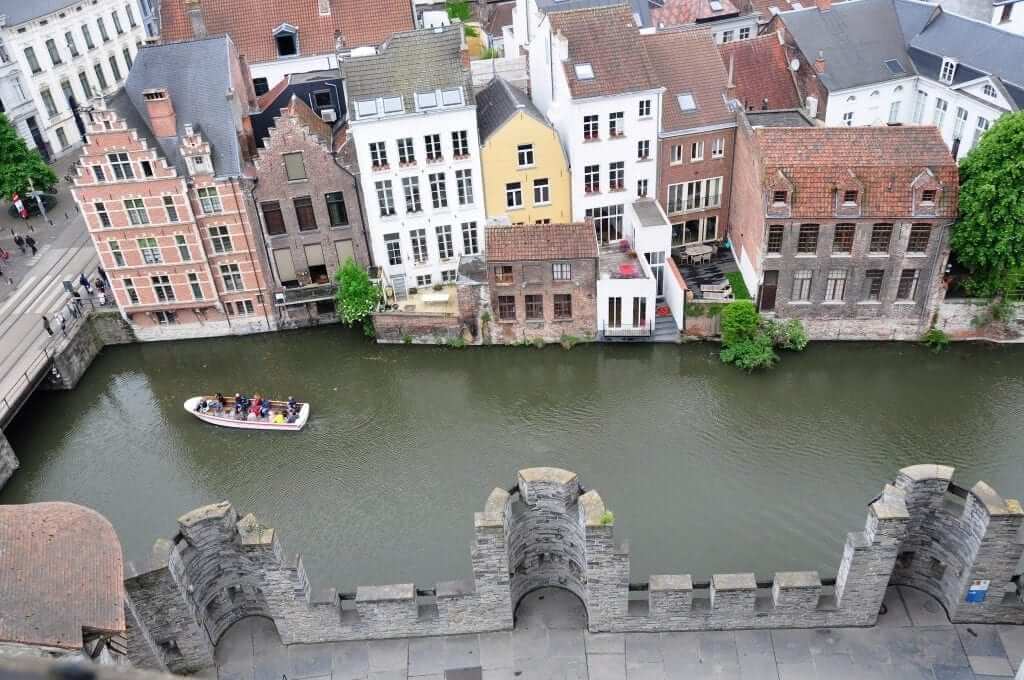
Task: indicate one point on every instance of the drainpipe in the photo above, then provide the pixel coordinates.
(248, 248)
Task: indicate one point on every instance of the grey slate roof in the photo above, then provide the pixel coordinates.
(497, 103)
(779, 118)
(20, 11)
(641, 8)
(197, 77)
(413, 61)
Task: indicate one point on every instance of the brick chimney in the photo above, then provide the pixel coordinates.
(160, 112)
(195, 18)
(819, 63)
(823, 5)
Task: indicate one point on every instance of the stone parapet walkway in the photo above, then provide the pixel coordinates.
(912, 641)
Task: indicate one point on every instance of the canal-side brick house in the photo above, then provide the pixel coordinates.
(161, 187)
(846, 229)
(310, 212)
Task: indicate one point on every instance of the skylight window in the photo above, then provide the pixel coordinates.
(584, 71)
(686, 101)
(451, 97)
(367, 107)
(426, 100)
(393, 105)
(895, 67)
(715, 5)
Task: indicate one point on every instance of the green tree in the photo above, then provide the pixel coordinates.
(740, 321)
(459, 10)
(19, 164)
(989, 236)
(357, 297)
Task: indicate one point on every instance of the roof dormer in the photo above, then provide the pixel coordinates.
(778, 196)
(948, 70)
(926, 194)
(848, 196)
(286, 38)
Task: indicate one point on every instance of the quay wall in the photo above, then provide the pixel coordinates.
(548, 530)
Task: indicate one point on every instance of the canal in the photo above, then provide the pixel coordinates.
(706, 468)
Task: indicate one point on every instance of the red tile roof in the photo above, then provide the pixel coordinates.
(251, 23)
(299, 110)
(686, 61)
(541, 242)
(61, 570)
(884, 160)
(761, 71)
(682, 12)
(607, 39)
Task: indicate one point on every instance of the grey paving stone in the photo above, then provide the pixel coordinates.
(462, 651)
(605, 643)
(566, 644)
(606, 666)
(718, 648)
(981, 640)
(998, 666)
(792, 646)
(941, 646)
(687, 671)
(758, 671)
(1013, 643)
(753, 642)
(574, 669)
(803, 670)
(904, 670)
(835, 667)
(496, 650)
(642, 648)
(388, 675)
(506, 673)
(904, 646)
(426, 656)
(943, 672)
(865, 645)
(529, 643)
(645, 671)
(924, 609)
(679, 649)
(388, 655)
(350, 660)
(826, 641)
(896, 612)
(238, 673)
(432, 676)
(309, 660)
(270, 668)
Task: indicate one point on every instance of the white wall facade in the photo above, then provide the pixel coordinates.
(278, 69)
(389, 130)
(743, 27)
(15, 98)
(628, 290)
(59, 129)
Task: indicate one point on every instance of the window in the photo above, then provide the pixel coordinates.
(117, 22)
(506, 308)
(33, 62)
(336, 211)
(641, 188)
(779, 198)
(451, 97)
(988, 90)
(503, 273)
(873, 284)
(406, 153)
(121, 165)
(920, 235)
(83, 79)
(696, 151)
(541, 192)
(69, 40)
(959, 123)
(433, 144)
(947, 71)
(449, 275)
(273, 218)
(675, 197)
(294, 166)
(103, 29)
(607, 222)
(394, 249)
(418, 239)
(101, 213)
(470, 244)
(894, 112)
(677, 154)
(616, 176)
(232, 277)
(848, 118)
(98, 174)
(534, 307)
(378, 155)
(616, 124)
(645, 108)
(304, 214)
(164, 317)
(464, 186)
(136, 211)
(209, 201)
(561, 271)
(928, 197)
(438, 190)
(426, 100)
(686, 102)
(590, 127)
(919, 105)
(643, 149)
(513, 195)
(835, 286)
(842, 239)
(287, 43)
(51, 106)
(129, 288)
(131, 15)
(220, 239)
(727, 36)
(460, 143)
(424, 280)
(182, 245)
(193, 283)
(907, 288)
(980, 128)
(699, 194)
(881, 235)
(163, 289)
(411, 191)
(260, 86)
(718, 147)
(524, 155)
(150, 250)
(62, 138)
(807, 239)
(385, 198)
(51, 47)
(444, 241)
(744, 33)
(591, 179)
(88, 37)
(614, 312)
(147, 168)
(939, 116)
(775, 234)
(850, 197)
(1006, 13)
(802, 285)
(172, 211)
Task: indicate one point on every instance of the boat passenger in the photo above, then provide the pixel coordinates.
(292, 417)
(215, 406)
(292, 404)
(278, 418)
(220, 399)
(201, 406)
(264, 408)
(238, 403)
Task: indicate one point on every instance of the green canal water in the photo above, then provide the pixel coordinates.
(707, 469)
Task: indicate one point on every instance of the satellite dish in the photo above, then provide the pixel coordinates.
(794, 65)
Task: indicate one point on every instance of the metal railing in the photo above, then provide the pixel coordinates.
(643, 331)
(308, 294)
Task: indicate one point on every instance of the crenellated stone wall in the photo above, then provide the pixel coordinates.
(549, 530)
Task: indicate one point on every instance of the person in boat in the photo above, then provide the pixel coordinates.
(292, 417)
(238, 403)
(278, 418)
(264, 408)
(201, 406)
(254, 407)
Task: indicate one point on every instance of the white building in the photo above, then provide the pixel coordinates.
(16, 101)
(915, 64)
(412, 117)
(68, 52)
(1006, 14)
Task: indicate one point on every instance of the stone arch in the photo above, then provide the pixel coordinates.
(551, 608)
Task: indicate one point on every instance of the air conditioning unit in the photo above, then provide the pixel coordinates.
(279, 298)
(329, 115)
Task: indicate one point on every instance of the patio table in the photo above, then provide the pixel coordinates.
(699, 253)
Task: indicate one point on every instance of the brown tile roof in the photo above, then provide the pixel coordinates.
(884, 160)
(268, 97)
(251, 23)
(682, 12)
(607, 39)
(686, 61)
(761, 71)
(541, 242)
(61, 570)
(499, 17)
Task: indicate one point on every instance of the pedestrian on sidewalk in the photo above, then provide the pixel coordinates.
(103, 272)
(63, 323)
(73, 309)
(76, 300)
(46, 325)
(20, 242)
(84, 283)
(31, 243)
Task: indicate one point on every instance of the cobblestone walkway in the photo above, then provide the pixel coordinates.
(912, 641)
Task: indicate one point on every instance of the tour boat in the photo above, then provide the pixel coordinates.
(228, 418)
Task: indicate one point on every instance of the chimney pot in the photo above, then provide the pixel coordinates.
(195, 18)
(819, 63)
(823, 5)
(161, 112)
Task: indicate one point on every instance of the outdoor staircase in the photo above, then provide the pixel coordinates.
(665, 330)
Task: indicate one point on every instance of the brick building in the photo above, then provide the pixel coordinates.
(844, 228)
(542, 281)
(310, 212)
(161, 187)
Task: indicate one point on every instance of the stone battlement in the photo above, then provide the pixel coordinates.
(959, 545)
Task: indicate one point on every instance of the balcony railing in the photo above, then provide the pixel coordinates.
(642, 331)
(294, 296)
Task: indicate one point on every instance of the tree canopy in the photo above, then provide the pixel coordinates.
(357, 297)
(20, 164)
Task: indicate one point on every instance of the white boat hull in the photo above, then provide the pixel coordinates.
(229, 419)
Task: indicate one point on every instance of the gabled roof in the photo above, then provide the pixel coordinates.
(20, 11)
(609, 41)
(533, 242)
(669, 13)
(251, 23)
(686, 61)
(299, 110)
(640, 8)
(497, 103)
(197, 77)
(761, 71)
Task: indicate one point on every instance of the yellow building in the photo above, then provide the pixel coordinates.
(526, 175)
